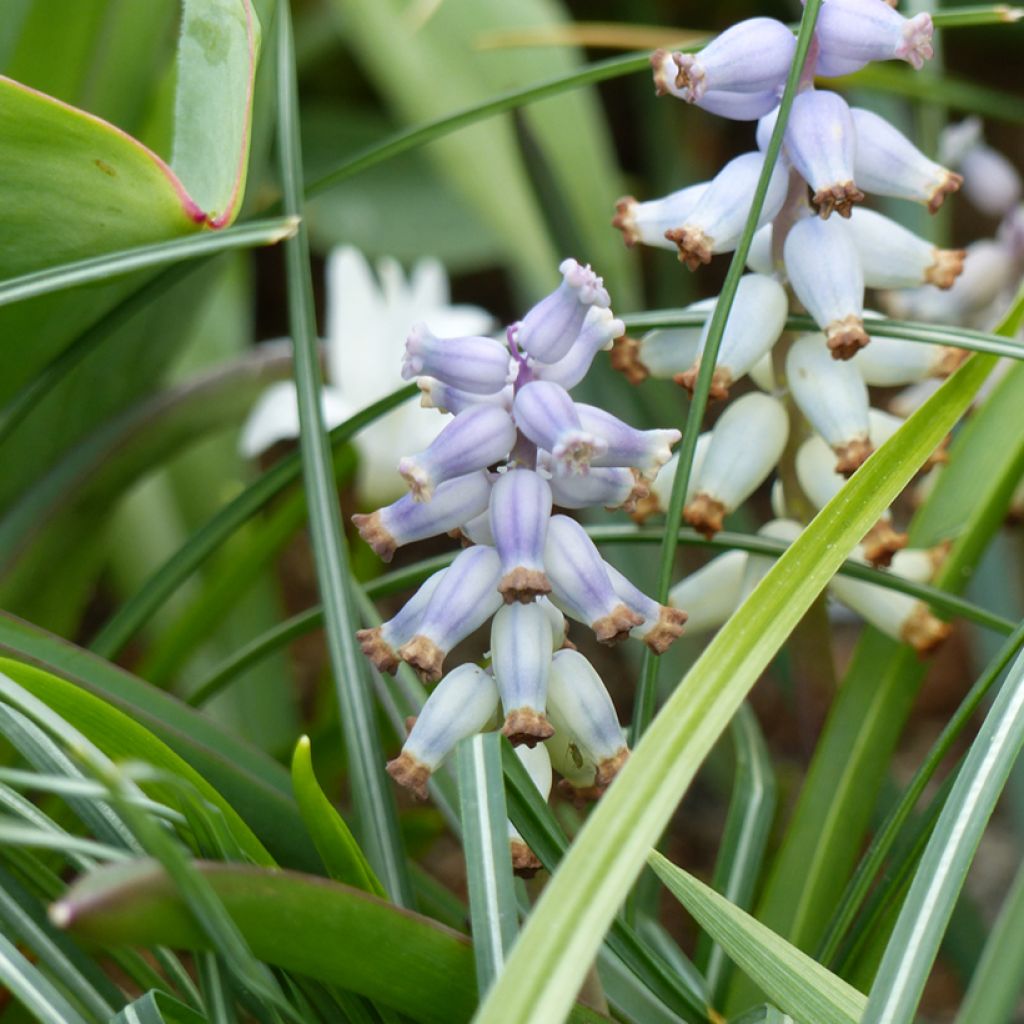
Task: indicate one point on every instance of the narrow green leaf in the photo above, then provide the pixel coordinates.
(825, 834)
(580, 901)
(344, 861)
(907, 330)
(995, 986)
(492, 901)
(301, 923)
(30, 988)
(683, 994)
(15, 833)
(950, 91)
(157, 1008)
(790, 978)
(117, 734)
(886, 835)
(646, 693)
(982, 14)
(100, 268)
(922, 922)
(375, 808)
(25, 921)
(749, 822)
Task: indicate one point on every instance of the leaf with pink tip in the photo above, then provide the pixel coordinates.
(74, 185)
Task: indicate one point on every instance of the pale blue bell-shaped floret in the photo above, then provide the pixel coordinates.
(735, 105)
(662, 624)
(580, 585)
(988, 273)
(756, 320)
(753, 56)
(644, 450)
(895, 614)
(475, 439)
(608, 487)
(887, 163)
(667, 351)
(712, 593)
(717, 221)
(894, 362)
(824, 270)
(521, 660)
(762, 374)
(580, 707)
(461, 705)
(852, 33)
(462, 602)
(454, 502)
(479, 365)
(833, 397)
(894, 257)
(435, 394)
(760, 258)
(661, 485)
(548, 330)
(519, 513)
(758, 566)
(746, 443)
(380, 644)
(647, 222)
(820, 142)
(537, 762)
(600, 329)
(546, 414)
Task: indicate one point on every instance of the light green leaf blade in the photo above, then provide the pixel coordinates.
(569, 921)
(492, 902)
(32, 989)
(120, 737)
(751, 811)
(301, 923)
(996, 983)
(344, 861)
(799, 985)
(943, 870)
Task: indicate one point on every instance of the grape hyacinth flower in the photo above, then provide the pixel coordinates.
(517, 446)
(833, 159)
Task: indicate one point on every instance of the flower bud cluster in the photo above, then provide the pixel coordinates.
(835, 154)
(518, 447)
(817, 243)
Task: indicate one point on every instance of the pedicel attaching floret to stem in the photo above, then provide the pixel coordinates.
(517, 445)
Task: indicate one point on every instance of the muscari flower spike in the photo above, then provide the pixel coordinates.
(517, 445)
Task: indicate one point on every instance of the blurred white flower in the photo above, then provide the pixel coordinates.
(368, 318)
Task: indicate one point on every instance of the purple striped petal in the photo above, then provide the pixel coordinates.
(406, 520)
(519, 512)
(549, 329)
(580, 583)
(820, 141)
(477, 438)
(463, 601)
(462, 704)
(545, 413)
(645, 450)
(521, 659)
(852, 33)
(479, 365)
(600, 329)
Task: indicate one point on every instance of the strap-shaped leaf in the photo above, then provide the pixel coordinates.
(799, 985)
